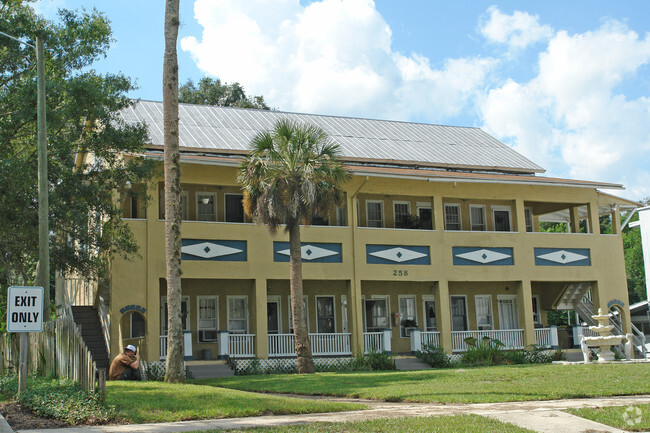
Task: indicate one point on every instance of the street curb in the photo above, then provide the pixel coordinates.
(4, 426)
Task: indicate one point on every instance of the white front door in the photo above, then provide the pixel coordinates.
(508, 312)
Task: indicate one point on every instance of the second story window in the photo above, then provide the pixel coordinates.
(501, 218)
(452, 217)
(374, 213)
(206, 209)
(477, 217)
(528, 212)
(401, 213)
(234, 208)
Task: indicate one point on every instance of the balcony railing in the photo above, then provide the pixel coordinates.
(511, 338)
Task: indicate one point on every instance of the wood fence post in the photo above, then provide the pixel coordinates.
(22, 362)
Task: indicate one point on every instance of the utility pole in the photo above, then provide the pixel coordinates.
(43, 271)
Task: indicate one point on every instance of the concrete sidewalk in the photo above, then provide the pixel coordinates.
(540, 416)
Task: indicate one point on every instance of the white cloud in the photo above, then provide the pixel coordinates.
(518, 30)
(572, 117)
(331, 56)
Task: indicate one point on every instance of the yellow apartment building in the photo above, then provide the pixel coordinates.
(438, 240)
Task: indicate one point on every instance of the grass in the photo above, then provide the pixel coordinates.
(471, 385)
(630, 418)
(142, 402)
(434, 424)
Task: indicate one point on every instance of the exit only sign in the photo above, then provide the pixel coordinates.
(25, 309)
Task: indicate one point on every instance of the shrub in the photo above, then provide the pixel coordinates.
(536, 355)
(434, 355)
(558, 355)
(60, 399)
(154, 370)
(514, 357)
(373, 361)
(486, 351)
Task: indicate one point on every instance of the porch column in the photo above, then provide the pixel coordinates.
(444, 316)
(438, 213)
(261, 323)
(355, 317)
(594, 221)
(520, 216)
(574, 220)
(616, 219)
(526, 319)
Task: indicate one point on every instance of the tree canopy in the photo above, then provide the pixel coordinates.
(214, 92)
(87, 141)
(634, 265)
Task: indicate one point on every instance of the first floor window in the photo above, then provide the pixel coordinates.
(137, 325)
(429, 315)
(208, 319)
(185, 314)
(508, 312)
(376, 312)
(458, 313)
(537, 317)
(325, 314)
(273, 314)
(483, 312)
(408, 318)
(238, 314)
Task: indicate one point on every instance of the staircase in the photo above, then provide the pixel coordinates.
(91, 331)
(410, 363)
(207, 369)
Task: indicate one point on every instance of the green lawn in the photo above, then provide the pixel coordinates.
(141, 402)
(630, 418)
(470, 385)
(434, 424)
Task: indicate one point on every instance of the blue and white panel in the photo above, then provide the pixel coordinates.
(314, 252)
(398, 254)
(215, 251)
(481, 256)
(562, 257)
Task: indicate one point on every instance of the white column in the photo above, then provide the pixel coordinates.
(416, 340)
(224, 340)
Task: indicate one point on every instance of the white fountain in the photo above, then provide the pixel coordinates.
(604, 340)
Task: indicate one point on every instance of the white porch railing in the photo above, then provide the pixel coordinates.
(377, 341)
(511, 338)
(187, 345)
(546, 337)
(241, 345)
(321, 344)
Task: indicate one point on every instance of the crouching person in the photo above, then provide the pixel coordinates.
(126, 365)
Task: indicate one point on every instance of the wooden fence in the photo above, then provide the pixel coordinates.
(58, 351)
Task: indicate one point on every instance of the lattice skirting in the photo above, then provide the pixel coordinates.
(154, 370)
(285, 365)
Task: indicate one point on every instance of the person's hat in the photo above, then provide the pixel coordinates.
(131, 347)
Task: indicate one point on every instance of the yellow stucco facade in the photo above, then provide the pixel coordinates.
(360, 290)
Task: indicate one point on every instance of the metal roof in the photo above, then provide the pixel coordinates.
(225, 129)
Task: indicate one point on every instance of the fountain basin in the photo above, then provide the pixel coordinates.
(609, 340)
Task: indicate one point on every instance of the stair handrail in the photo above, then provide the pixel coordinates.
(105, 321)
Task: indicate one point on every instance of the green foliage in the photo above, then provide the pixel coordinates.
(557, 318)
(61, 400)
(82, 120)
(213, 92)
(630, 418)
(154, 370)
(558, 355)
(434, 355)
(634, 265)
(373, 361)
(484, 351)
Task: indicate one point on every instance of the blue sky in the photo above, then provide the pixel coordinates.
(565, 83)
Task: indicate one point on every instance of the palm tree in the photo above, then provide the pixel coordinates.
(292, 173)
(174, 364)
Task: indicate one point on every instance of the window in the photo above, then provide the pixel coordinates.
(185, 213)
(208, 318)
(137, 325)
(425, 215)
(458, 313)
(483, 312)
(528, 213)
(304, 300)
(238, 314)
(344, 313)
(401, 213)
(185, 314)
(273, 314)
(477, 217)
(508, 312)
(234, 208)
(376, 312)
(452, 217)
(206, 206)
(537, 317)
(501, 218)
(375, 213)
(341, 216)
(408, 318)
(325, 314)
(429, 305)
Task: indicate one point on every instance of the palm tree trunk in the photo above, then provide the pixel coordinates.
(303, 348)
(174, 363)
